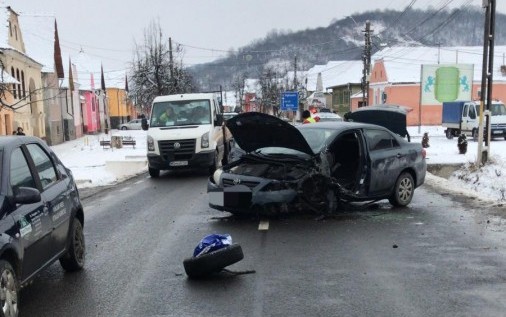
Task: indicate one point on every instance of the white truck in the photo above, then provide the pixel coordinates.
(463, 117)
(185, 131)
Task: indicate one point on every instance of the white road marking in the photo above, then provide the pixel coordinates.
(138, 182)
(263, 225)
(124, 189)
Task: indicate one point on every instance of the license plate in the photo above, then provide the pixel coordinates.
(178, 163)
(496, 132)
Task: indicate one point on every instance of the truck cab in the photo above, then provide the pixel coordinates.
(463, 117)
(185, 131)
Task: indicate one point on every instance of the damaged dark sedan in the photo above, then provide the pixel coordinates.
(314, 167)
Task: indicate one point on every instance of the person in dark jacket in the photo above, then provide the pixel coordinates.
(20, 131)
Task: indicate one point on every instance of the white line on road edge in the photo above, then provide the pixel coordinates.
(263, 225)
(138, 182)
(124, 189)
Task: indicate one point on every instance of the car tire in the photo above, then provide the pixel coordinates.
(449, 134)
(403, 191)
(9, 290)
(124, 128)
(154, 172)
(212, 262)
(75, 257)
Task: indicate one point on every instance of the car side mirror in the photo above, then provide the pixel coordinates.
(144, 124)
(219, 120)
(27, 195)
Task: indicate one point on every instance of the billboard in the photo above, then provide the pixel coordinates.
(446, 82)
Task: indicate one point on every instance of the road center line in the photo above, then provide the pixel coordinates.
(263, 225)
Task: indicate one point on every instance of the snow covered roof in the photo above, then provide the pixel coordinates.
(403, 64)
(38, 36)
(229, 99)
(334, 73)
(251, 85)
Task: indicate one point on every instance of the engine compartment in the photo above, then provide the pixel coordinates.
(286, 171)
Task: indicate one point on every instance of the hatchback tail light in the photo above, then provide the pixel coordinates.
(424, 153)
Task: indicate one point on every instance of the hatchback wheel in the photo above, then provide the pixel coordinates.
(73, 260)
(123, 128)
(8, 290)
(403, 191)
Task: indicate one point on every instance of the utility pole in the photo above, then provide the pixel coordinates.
(171, 66)
(295, 74)
(486, 82)
(366, 57)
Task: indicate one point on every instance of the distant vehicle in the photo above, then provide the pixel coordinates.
(313, 167)
(135, 124)
(228, 115)
(463, 117)
(324, 110)
(41, 216)
(328, 116)
(185, 131)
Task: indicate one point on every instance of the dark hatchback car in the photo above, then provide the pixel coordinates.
(41, 216)
(314, 167)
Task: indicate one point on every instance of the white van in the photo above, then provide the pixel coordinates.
(185, 131)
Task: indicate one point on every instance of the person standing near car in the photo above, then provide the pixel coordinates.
(306, 117)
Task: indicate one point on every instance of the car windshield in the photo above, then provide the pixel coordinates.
(316, 137)
(180, 112)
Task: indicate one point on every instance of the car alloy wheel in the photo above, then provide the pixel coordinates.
(74, 259)
(404, 190)
(8, 290)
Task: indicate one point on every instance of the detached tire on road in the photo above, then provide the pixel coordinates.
(213, 262)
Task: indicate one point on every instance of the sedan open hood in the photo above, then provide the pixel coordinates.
(255, 130)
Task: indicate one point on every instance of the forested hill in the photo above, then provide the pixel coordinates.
(344, 39)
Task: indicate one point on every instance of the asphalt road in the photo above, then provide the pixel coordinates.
(442, 256)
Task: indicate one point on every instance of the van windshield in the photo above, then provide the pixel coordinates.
(498, 109)
(180, 112)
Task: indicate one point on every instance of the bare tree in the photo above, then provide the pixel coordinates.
(238, 84)
(152, 65)
(271, 88)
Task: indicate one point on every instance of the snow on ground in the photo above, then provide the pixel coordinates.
(94, 166)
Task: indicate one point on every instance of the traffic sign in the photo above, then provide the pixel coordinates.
(290, 101)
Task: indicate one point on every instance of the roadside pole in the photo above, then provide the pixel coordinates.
(486, 82)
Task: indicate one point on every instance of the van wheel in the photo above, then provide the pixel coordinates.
(449, 134)
(216, 161)
(8, 290)
(153, 172)
(403, 191)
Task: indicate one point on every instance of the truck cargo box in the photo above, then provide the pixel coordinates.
(452, 111)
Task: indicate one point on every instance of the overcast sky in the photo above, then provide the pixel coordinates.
(107, 29)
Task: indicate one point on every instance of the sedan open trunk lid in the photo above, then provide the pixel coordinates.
(255, 130)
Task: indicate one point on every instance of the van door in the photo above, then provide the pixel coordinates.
(469, 117)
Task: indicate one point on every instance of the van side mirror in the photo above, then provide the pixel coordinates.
(219, 120)
(144, 124)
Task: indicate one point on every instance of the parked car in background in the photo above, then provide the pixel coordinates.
(314, 167)
(328, 116)
(228, 115)
(41, 216)
(135, 124)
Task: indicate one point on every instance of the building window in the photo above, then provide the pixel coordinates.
(10, 28)
(19, 85)
(14, 90)
(16, 32)
(23, 87)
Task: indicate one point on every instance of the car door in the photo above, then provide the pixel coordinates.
(55, 195)
(136, 124)
(469, 117)
(33, 225)
(385, 157)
